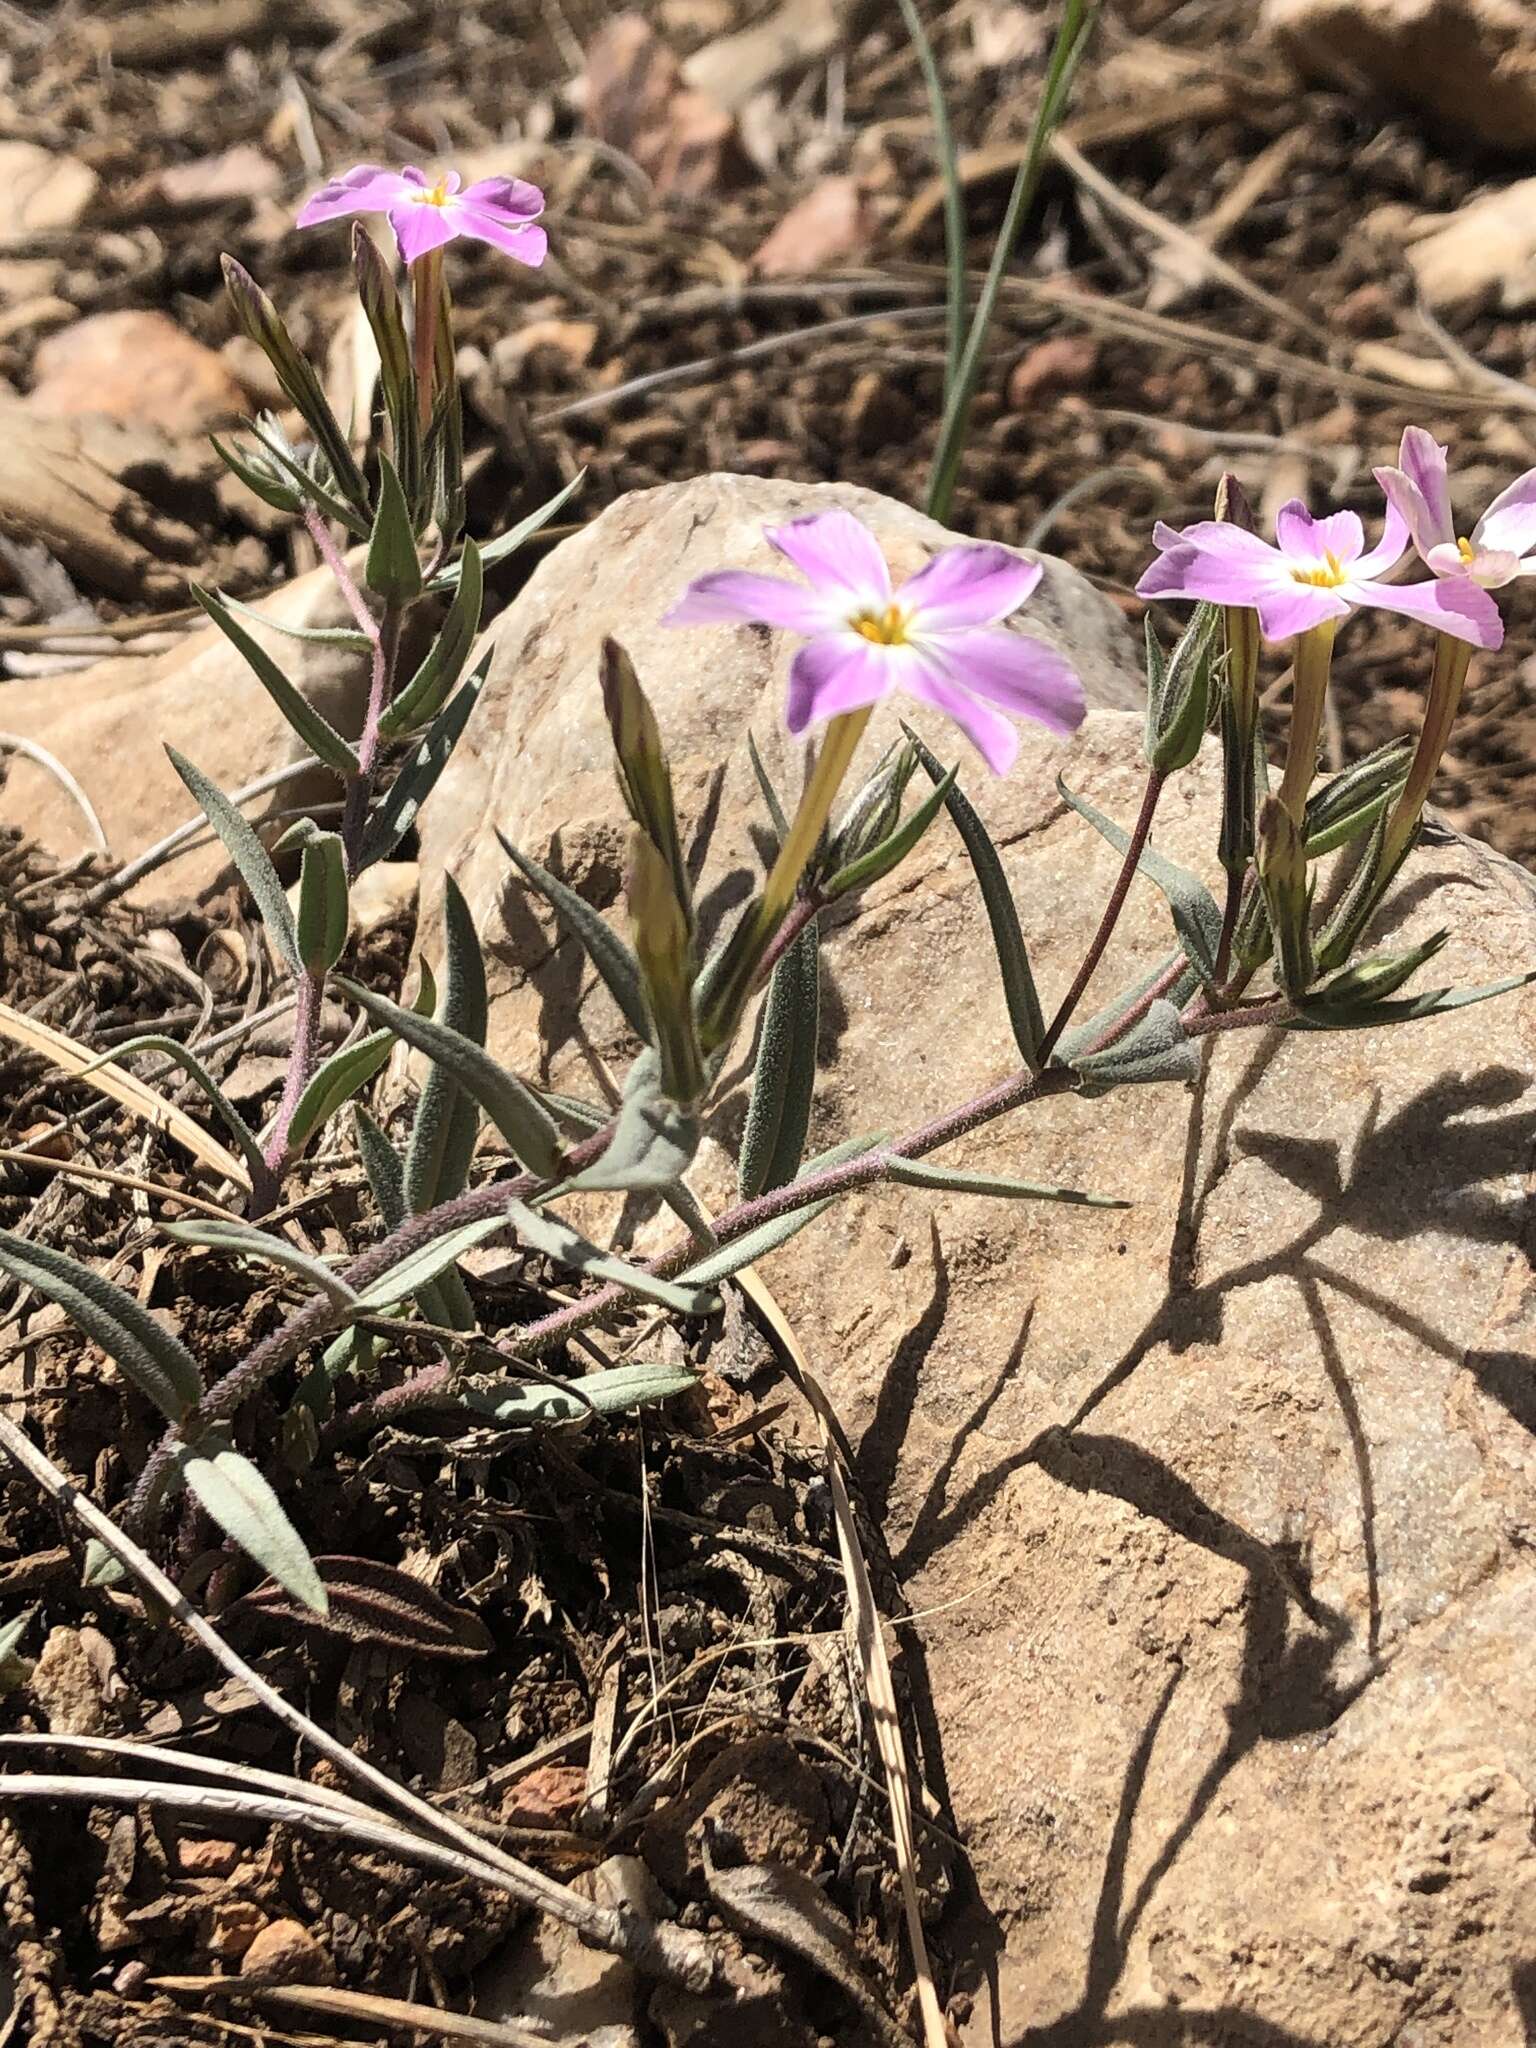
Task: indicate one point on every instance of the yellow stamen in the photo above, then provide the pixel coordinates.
(885, 629)
(1326, 577)
(438, 196)
(1465, 549)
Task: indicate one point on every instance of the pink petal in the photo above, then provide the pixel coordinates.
(1305, 539)
(420, 228)
(837, 554)
(1491, 568)
(1223, 576)
(1388, 551)
(368, 189)
(521, 239)
(968, 586)
(1404, 495)
(1450, 604)
(511, 196)
(1289, 608)
(1510, 521)
(1217, 537)
(1023, 677)
(734, 596)
(1422, 460)
(841, 672)
(991, 735)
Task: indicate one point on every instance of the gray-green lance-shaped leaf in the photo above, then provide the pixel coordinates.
(1007, 938)
(348, 637)
(615, 963)
(394, 816)
(1093, 1028)
(1430, 1002)
(1283, 876)
(235, 1494)
(769, 794)
(381, 305)
(756, 1243)
(516, 1112)
(263, 325)
(266, 480)
(891, 851)
(447, 1122)
(1196, 917)
(443, 663)
(1179, 691)
(393, 567)
(552, 1235)
(383, 1165)
(419, 1269)
(654, 1139)
(249, 856)
(1156, 1049)
(922, 1173)
(245, 1241)
(314, 732)
(335, 1081)
(613, 1392)
(324, 910)
(507, 544)
(645, 781)
(148, 1355)
(784, 1079)
(173, 1049)
(664, 949)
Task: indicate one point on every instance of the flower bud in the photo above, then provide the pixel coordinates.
(1282, 861)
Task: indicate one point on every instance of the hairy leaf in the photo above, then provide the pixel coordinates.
(613, 1392)
(249, 856)
(447, 1123)
(335, 1081)
(784, 1079)
(654, 1140)
(1156, 1049)
(173, 1049)
(379, 1603)
(557, 1240)
(242, 1503)
(881, 859)
(442, 665)
(921, 1173)
(157, 1363)
(325, 913)
(1431, 1002)
(391, 819)
(1196, 915)
(393, 567)
(420, 1268)
(769, 794)
(246, 1241)
(509, 542)
(315, 732)
(615, 963)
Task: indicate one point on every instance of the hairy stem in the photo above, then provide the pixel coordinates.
(1111, 917)
(309, 992)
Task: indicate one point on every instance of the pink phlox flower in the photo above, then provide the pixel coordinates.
(426, 215)
(1501, 546)
(939, 637)
(1318, 571)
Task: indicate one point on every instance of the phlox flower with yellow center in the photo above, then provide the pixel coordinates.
(939, 637)
(1501, 546)
(427, 215)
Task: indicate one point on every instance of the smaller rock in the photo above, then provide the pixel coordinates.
(762, 1794)
(383, 893)
(42, 191)
(546, 1798)
(285, 1952)
(1065, 362)
(233, 1925)
(1487, 248)
(243, 172)
(833, 223)
(1471, 64)
(636, 101)
(136, 367)
(67, 1687)
(206, 1856)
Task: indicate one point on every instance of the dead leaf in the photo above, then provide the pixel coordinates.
(378, 1603)
(635, 101)
(243, 172)
(831, 224)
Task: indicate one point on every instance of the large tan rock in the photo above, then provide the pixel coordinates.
(1220, 1509)
(1471, 64)
(109, 724)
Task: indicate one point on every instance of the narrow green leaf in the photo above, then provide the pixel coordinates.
(554, 1237)
(249, 856)
(312, 477)
(394, 817)
(615, 963)
(664, 949)
(347, 637)
(447, 1121)
(645, 780)
(246, 1509)
(260, 478)
(613, 1392)
(1349, 803)
(383, 1165)
(509, 542)
(317, 734)
(442, 665)
(393, 567)
(892, 851)
(770, 795)
(173, 1049)
(1373, 979)
(920, 1173)
(515, 1110)
(1007, 937)
(335, 1081)
(245, 1241)
(654, 1140)
(1432, 1002)
(1177, 712)
(1196, 916)
(158, 1364)
(324, 911)
(784, 1079)
(1094, 1027)
(381, 305)
(766, 1237)
(418, 1270)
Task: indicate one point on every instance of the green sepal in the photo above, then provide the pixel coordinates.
(381, 306)
(890, 852)
(645, 782)
(1179, 691)
(393, 567)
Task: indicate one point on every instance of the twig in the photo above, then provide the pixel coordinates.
(1110, 918)
(12, 743)
(156, 856)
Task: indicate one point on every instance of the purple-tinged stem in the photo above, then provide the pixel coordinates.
(1111, 917)
(309, 999)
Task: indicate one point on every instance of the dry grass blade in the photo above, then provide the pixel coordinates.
(874, 1664)
(71, 1057)
(74, 1169)
(12, 743)
(366, 2006)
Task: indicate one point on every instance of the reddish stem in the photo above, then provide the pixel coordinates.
(1111, 917)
